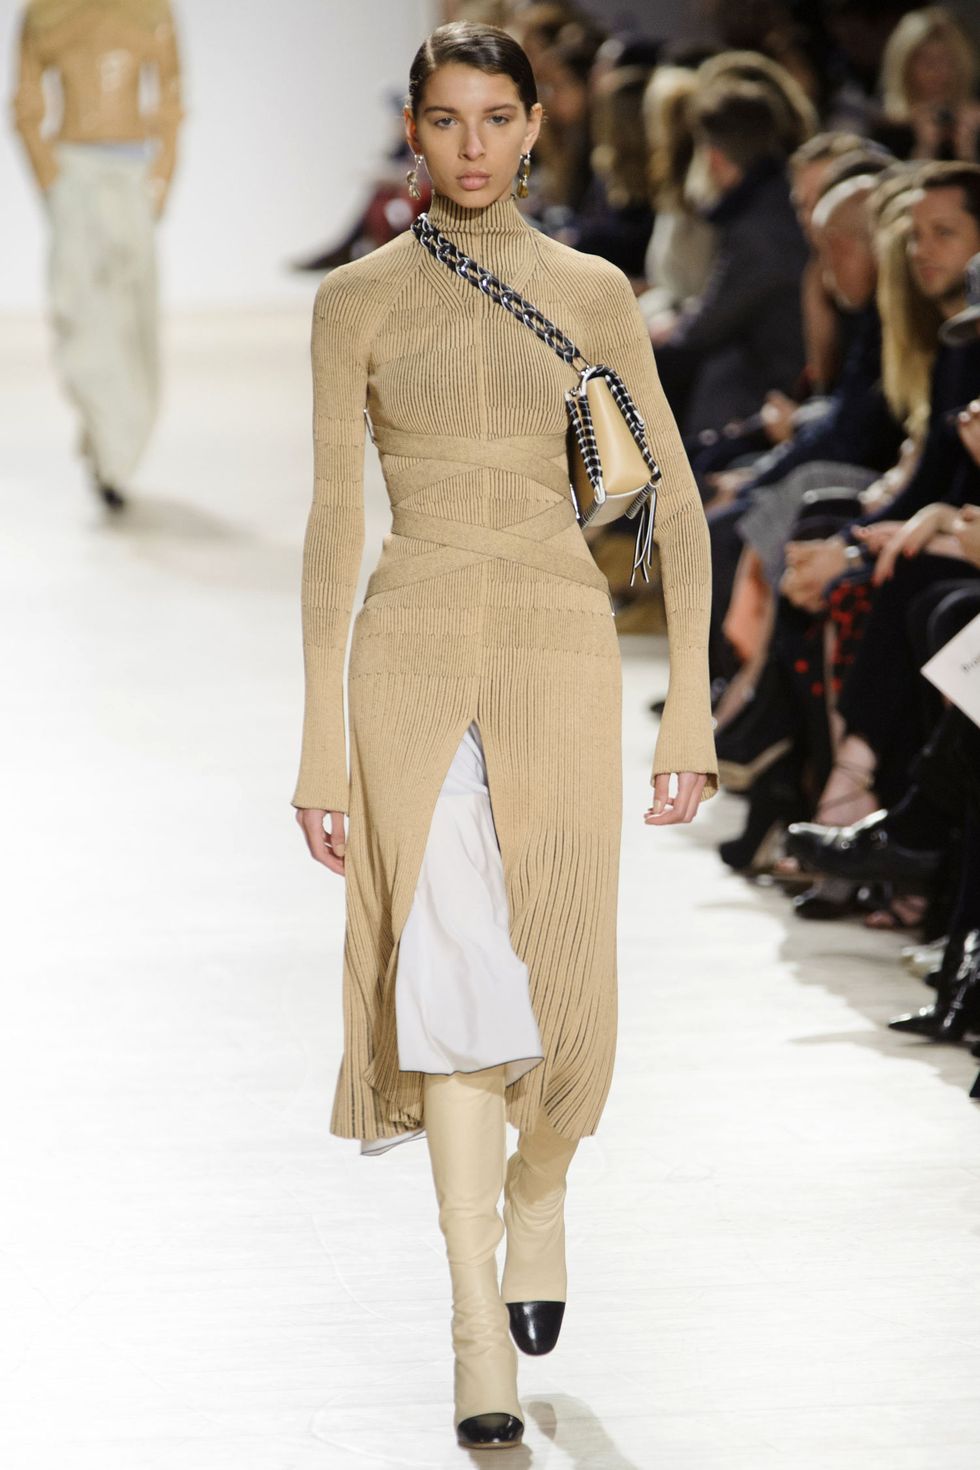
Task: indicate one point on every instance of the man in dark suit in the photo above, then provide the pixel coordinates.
(743, 337)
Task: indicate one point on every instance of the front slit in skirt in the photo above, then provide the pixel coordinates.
(462, 999)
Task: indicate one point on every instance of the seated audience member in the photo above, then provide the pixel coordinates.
(906, 842)
(873, 749)
(796, 116)
(562, 172)
(944, 235)
(928, 83)
(681, 246)
(616, 217)
(744, 335)
(814, 168)
(857, 430)
(811, 167)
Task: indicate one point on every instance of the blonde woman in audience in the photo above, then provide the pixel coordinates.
(928, 85)
(910, 322)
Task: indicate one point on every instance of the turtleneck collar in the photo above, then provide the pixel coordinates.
(502, 217)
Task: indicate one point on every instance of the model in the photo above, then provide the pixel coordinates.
(104, 174)
(484, 669)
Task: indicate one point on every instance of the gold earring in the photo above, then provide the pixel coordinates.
(523, 174)
(412, 178)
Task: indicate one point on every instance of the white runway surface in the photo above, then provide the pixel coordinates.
(773, 1238)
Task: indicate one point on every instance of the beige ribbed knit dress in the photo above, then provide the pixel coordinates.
(486, 606)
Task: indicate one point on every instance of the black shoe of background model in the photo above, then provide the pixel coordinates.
(111, 498)
(865, 852)
(535, 1326)
(489, 1431)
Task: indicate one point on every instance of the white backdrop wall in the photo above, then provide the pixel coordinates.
(287, 117)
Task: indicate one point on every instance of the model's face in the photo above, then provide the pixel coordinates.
(471, 129)
(942, 240)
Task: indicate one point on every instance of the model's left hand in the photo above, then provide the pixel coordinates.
(668, 810)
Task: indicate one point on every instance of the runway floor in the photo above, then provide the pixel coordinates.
(773, 1238)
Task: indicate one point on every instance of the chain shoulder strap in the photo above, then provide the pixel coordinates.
(444, 249)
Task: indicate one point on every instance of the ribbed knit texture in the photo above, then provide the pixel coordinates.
(485, 605)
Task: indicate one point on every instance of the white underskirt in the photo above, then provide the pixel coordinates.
(462, 998)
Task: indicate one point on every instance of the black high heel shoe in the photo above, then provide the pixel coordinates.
(957, 1006)
(489, 1432)
(535, 1326)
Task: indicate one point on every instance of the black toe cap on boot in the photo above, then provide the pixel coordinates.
(535, 1326)
(484, 1431)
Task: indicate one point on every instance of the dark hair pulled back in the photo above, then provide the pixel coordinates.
(488, 48)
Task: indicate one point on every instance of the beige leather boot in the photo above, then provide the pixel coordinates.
(534, 1282)
(465, 1125)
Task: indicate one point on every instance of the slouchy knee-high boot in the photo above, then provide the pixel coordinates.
(534, 1282)
(465, 1125)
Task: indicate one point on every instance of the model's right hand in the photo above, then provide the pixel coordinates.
(327, 848)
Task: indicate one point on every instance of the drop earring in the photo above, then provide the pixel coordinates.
(412, 178)
(523, 174)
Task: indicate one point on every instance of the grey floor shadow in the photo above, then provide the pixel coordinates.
(813, 964)
(192, 542)
(574, 1429)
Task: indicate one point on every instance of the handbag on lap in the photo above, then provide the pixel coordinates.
(611, 469)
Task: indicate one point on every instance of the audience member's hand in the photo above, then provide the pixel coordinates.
(662, 329)
(966, 529)
(777, 417)
(882, 492)
(810, 565)
(968, 426)
(726, 484)
(913, 537)
(875, 538)
(876, 496)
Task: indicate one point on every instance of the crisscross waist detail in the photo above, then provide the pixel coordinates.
(460, 543)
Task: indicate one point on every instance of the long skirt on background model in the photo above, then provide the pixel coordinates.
(103, 286)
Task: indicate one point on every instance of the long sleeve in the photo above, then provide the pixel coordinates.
(169, 110)
(334, 537)
(685, 741)
(29, 109)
